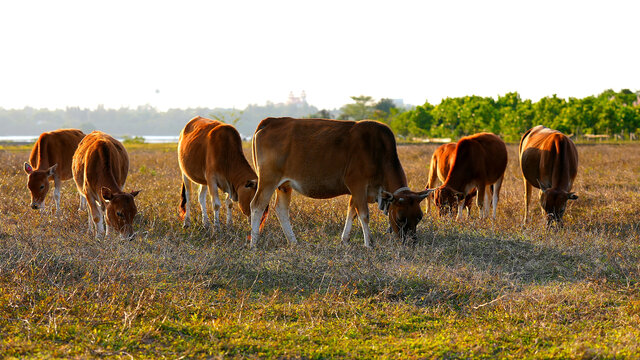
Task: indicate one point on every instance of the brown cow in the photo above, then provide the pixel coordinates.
(479, 162)
(50, 159)
(210, 154)
(549, 162)
(100, 167)
(322, 159)
(441, 162)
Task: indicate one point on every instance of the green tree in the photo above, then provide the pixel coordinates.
(362, 108)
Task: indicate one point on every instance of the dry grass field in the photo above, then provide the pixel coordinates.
(469, 289)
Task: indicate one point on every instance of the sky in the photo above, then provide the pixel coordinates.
(179, 54)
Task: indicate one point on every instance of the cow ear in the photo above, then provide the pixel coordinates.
(52, 170)
(573, 196)
(135, 193)
(386, 196)
(253, 184)
(27, 168)
(384, 200)
(106, 194)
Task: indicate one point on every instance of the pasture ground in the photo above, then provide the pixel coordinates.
(469, 289)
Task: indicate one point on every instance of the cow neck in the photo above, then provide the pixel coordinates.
(561, 177)
(42, 155)
(109, 180)
(395, 181)
(453, 181)
(241, 175)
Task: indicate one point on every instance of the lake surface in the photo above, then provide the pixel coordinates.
(150, 139)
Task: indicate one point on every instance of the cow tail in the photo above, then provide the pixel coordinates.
(182, 208)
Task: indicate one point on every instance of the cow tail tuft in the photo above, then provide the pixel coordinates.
(182, 208)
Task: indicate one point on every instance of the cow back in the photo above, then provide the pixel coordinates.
(100, 161)
(321, 157)
(56, 147)
(480, 158)
(549, 157)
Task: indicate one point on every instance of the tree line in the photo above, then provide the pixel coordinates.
(616, 114)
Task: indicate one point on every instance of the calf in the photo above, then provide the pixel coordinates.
(51, 159)
(549, 162)
(210, 154)
(479, 162)
(441, 162)
(100, 167)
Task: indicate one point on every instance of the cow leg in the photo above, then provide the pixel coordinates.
(83, 203)
(496, 194)
(258, 206)
(56, 192)
(229, 210)
(487, 201)
(215, 202)
(187, 194)
(351, 215)
(96, 216)
(202, 199)
(527, 198)
(283, 199)
(91, 225)
(362, 208)
(482, 200)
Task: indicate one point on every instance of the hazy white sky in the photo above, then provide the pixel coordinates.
(232, 53)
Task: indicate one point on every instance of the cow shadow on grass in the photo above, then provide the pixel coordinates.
(454, 267)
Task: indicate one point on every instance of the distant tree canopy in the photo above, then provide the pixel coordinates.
(143, 120)
(509, 116)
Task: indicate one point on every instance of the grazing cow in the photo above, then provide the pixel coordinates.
(322, 159)
(549, 162)
(50, 159)
(210, 154)
(479, 162)
(441, 162)
(100, 167)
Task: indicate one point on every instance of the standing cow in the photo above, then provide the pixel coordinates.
(322, 159)
(51, 159)
(210, 154)
(441, 162)
(100, 168)
(479, 162)
(549, 162)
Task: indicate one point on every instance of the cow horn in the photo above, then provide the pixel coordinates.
(423, 194)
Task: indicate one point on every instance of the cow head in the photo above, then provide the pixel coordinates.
(245, 195)
(121, 209)
(554, 203)
(404, 211)
(38, 184)
(447, 199)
